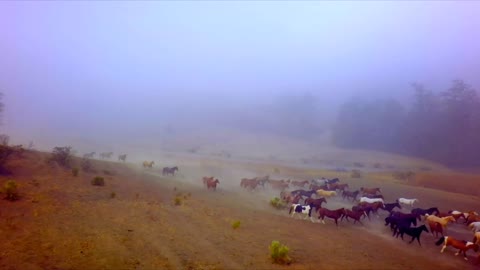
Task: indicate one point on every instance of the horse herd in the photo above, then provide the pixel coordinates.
(370, 202)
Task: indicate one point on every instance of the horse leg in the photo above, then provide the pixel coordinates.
(359, 221)
(336, 222)
(443, 248)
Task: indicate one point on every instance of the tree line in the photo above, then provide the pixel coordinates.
(443, 126)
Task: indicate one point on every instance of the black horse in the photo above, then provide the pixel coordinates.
(396, 222)
(390, 206)
(422, 212)
(414, 232)
(169, 171)
(304, 193)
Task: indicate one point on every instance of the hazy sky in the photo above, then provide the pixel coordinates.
(126, 65)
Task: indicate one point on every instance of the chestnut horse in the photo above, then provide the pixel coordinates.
(355, 215)
(462, 246)
(338, 186)
(212, 184)
(333, 214)
(317, 203)
(206, 179)
(147, 164)
(435, 227)
(372, 191)
(249, 183)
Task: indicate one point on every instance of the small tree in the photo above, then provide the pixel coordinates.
(62, 155)
(279, 253)
(10, 189)
(5, 153)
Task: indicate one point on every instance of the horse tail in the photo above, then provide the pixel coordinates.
(440, 241)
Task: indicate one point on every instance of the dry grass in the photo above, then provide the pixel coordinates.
(453, 182)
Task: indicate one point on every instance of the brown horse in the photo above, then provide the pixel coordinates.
(333, 214)
(435, 227)
(317, 187)
(249, 183)
(206, 179)
(147, 164)
(373, 206)
(212, 184)
(355, 215)
(349, 194)
(317, 203)
(372, 191)
(298, 183)
(279, 186)
(339, 186)
(462, 246)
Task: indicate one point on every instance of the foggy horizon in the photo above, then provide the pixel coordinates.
(101, 70)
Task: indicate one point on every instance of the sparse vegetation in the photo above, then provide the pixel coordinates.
(75, 172)
(98, 181)
(356, 174)
(277, 203)
(279, 253)
(113, 195)
(108, 172)
(10, 189)
(177, 200)
(4, 139)
(403, 175)
(5, 153)
(62, 155)
(86, 165)
(236, 224)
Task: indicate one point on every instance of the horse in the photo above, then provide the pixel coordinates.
(106, 155)
(409, 202)
(147, 164)
(414, 232)
(332, 181)
(89, 155)
(249, 183)
(317, 187)
(390, 206)
(212, 184)
(368, 200)
(474, 226)
(122, 157)
(456, 214)
(376, 196)
(333, 214)
(298, 183)
(206, 179)
(366, 209)
(442, 220)
(319, 182)
(462, 246)
(341, 187)
(301, 209)
(373, 206)
(262, 180)
(476, 238)
(326, 193)
(395, 222)
(317, 203)
(472, 218)
(422, 212)
(350, 194)
(410, 219)
(372, 191)
(435, 227)
(355, 215)
(280, 186)
(169, 171)
(304, 193)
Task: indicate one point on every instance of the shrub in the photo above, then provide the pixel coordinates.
(62, 155)
(277, 203)
(113, 195)
(356, 174)
(279, 253)
(236, 224)
(10, 189)
(86, 165)
(4, 139)
(75, 172)
(98, 181)
(177, 200)
(5, 153)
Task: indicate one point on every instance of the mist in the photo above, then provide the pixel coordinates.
(117, 73)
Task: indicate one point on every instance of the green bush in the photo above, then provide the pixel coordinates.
(62, 155)
(10, 189)
(75, 172)
(236, 224)
(98, 181)
(277, 203)
(279, 253)
(177, 200)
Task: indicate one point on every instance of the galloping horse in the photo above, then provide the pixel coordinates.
(169, 171)
(326, 193)
(369, 200)
(442, 220)
(462, 246)
(390, 206)
(476, 238)
(317, 203)
(250, 184)
(413, 232)
(206, 179)
(279, 186)
(422, 212)
(304, 193)
(372, 191)
(333, 214)
(122, 157)
(212, 184)
(261, 181)
(298, 183)
(301, 209)
(350, 194)
(355, 215)
(474, 226)
(147, 164)
(338, 186)
(435, 227)
(374, 196)
(409, 202)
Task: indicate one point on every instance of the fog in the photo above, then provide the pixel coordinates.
(120, 72)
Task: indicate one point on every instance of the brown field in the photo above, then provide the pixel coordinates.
(63, 222)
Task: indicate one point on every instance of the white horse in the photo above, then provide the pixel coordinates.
(371, 200)
(319, 182)
(409, 202)
(306, 210)
(475, 226)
